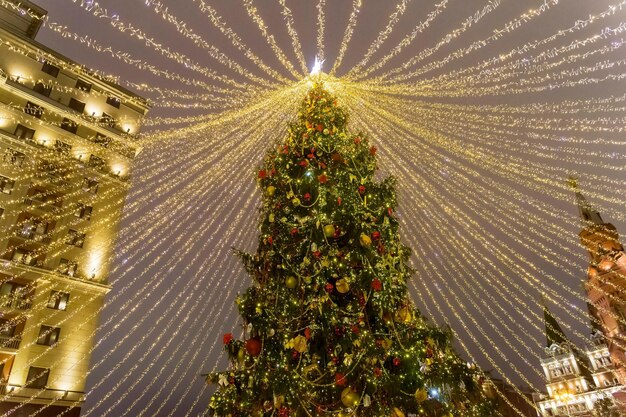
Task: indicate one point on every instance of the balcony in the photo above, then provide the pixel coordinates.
(61, 397)
(10, 342)
(15, 302)
(31, 235)
(62, 101)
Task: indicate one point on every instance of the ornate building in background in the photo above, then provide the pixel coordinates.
(606, 281)
(66, 151)
(577, 379)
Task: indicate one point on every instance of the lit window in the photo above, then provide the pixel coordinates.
(83, 85)
(75, 238)
(90, 185)
(6, 185)
(58, 300)
(37, 377)
(23, 132)
(67, 267)
(25, 257)
(50, 69)
(48, 335)
(114, 101)
(83, 211)
(7, 328)
(14, 157)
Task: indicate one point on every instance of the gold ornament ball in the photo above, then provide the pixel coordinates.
(365, 240)
(421, 395)
(396, 412)
(342, 286)
(291, 282)
(404, 314)
(329, 230)
(349, 397)
(271, 190)
(295, 201)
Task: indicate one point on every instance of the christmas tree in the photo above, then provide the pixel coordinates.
(330, 328)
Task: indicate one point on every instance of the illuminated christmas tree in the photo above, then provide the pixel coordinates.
(330, 328)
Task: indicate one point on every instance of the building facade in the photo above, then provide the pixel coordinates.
(578, 379)
(606, 281)
(66, 153)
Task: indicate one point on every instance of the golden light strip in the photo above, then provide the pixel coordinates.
(347, 35)
(382, 36)
(321, 23)
(295, 40)
(256, 18)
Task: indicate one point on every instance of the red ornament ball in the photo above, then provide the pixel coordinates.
(253, 347)
(340, 379)
(228, 337)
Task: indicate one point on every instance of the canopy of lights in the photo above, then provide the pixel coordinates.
(482, 110)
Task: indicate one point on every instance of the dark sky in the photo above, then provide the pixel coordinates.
(176, 280)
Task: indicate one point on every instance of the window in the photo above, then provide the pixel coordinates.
(62, 147)
(58, 300)
(96, 162)
(33, 109)
(83, 85)
(37, 377)
(23, 132)
(11, 290)
(90, 185)
(114, 101)
(79, 106)
(107, 120)
(42, 89)
(67, 267)
(75, 238)
(33, 229)
(24, 256)
(83, 212)
(69, 125)
(7, 328)
(102, 140)
(14, 157)
(6, 185)
(48, 68)
(48, 335)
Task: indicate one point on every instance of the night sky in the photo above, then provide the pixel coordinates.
(174, 285)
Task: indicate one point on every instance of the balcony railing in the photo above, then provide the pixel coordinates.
(47, 393)
(10, 342)
(18, 303)
(35, 237)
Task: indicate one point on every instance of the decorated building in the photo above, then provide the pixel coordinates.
(66, 151)
(606, 281)
(577, 378)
